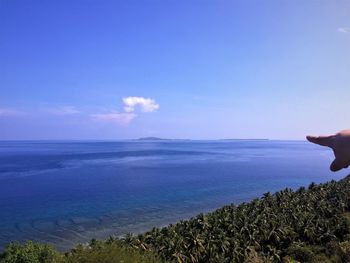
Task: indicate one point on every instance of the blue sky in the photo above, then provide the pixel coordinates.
(176, 69)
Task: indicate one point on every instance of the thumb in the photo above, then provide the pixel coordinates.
(337, 165)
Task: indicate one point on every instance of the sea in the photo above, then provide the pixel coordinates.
(68, 192)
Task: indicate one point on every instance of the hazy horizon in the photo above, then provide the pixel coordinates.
(160, 139)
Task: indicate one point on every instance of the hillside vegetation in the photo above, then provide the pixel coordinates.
(306, 225)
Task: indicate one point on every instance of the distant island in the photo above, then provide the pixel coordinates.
(166, 139)
(152, 139)
(252, 139)
(160, 139)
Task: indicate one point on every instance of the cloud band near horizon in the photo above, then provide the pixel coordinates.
(132, 106)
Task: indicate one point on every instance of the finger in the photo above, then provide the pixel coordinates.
(321, 140)
(338, 164)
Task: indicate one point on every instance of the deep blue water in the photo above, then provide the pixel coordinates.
(69, 192)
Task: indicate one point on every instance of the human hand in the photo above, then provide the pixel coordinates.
(340, 143)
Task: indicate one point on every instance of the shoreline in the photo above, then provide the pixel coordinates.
(322, 208)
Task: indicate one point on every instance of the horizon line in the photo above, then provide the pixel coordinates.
(145, 140)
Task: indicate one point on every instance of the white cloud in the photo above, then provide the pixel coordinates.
(63, 110)
(145, 104)
(121, 118)
(5, 112)
(131, 104)
(344, 30)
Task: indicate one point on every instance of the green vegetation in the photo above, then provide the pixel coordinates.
(110, 251)
(31, 253)
(307, 225)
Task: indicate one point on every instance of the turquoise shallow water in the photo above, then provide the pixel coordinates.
(69, 192)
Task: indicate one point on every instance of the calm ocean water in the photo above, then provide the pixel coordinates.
(68, 192)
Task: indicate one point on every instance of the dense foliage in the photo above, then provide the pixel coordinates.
(110, 251)
(30, 253)
(307, 225)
